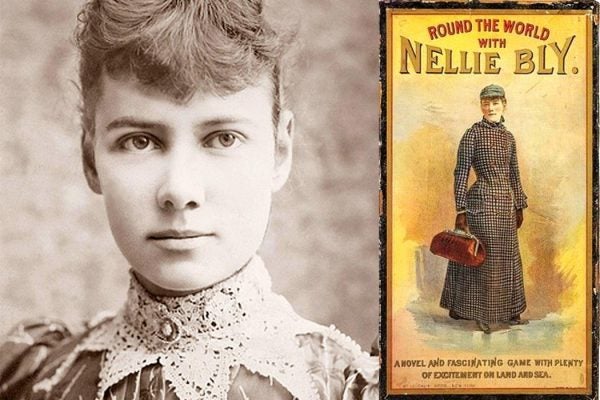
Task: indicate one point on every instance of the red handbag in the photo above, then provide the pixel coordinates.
(458, 246)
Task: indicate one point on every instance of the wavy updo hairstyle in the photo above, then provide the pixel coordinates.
(177, 47)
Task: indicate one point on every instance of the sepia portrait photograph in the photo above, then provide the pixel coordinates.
(490, 199)
(190, 199)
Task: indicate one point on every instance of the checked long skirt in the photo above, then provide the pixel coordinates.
(493, 292)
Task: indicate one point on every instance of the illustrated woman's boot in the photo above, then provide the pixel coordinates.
(454, 315)
(516, 320)
(484, 327)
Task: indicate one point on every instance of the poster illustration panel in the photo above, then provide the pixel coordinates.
(489, 133)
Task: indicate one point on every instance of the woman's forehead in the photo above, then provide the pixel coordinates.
(125, 96)
(491, 100)
(262, 81)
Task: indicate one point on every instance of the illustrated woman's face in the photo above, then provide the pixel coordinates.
(492, 109)
(187, 186)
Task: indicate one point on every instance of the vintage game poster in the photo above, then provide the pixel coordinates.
(489, 122)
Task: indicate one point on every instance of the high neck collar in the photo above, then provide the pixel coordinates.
(199, 339)
(499, 124)
(178, 322)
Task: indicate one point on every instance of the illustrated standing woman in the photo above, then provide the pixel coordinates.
(492, 210)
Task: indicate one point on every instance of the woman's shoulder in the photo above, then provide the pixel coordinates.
(325, 365)
(307, 353)
(338, 365)
(25, 349)
(477, 127)
(317, 342)
(471, 132)
(34, 349)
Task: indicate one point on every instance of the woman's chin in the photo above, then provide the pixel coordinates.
(166, 287)
(493, 118)
(180, 279)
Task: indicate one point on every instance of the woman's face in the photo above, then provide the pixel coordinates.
(492, 109)
(187, 187)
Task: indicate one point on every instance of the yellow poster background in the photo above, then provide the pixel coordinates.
(550, 117)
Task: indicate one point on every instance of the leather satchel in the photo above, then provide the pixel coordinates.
(458, 246)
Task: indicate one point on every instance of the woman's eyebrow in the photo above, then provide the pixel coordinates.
(223, 120)
(131, 122)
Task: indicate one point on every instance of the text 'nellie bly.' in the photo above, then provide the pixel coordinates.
(545, 59)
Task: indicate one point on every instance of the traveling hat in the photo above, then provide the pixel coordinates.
(491, 91)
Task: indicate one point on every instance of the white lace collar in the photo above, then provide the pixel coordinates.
(177, 323)
(198, 339)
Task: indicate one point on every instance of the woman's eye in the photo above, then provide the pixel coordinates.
(139, 143)
(223, 140)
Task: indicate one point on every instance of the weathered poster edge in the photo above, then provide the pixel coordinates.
(593, 285)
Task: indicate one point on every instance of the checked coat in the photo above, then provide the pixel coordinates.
(493, 292)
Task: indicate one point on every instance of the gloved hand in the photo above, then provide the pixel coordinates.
(461, 222)
(519, 218)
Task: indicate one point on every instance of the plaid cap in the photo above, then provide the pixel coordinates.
(492, 91)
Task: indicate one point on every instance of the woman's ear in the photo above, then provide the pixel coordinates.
(91, 176)
(89, 164)
(283, 149)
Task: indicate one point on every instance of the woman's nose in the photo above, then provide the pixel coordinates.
(182, 186)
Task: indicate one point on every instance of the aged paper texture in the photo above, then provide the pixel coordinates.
(438, 62)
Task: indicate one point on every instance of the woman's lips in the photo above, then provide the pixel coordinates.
(176, 240)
